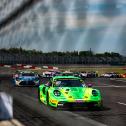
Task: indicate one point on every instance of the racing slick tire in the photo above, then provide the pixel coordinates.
(39, 95)
(47, 99)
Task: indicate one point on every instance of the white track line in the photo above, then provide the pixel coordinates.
(119, 80)
(120, 86)
(105, 86)
(111, 86)
(121, 103)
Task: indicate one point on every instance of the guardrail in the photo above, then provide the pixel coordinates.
(6, 106)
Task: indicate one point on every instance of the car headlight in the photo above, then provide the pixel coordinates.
(94, 93)
(36, 79)
(18, 79)
(57, 93)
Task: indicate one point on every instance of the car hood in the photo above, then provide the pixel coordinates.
(75, 92)
(27, 78)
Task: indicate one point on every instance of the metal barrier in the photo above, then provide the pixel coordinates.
(6, 106)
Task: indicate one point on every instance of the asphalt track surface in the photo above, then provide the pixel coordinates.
(114, 101)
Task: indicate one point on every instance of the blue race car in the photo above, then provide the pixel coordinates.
(26, 78)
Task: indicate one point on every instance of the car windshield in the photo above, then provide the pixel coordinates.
(67, 74)
(69, 83)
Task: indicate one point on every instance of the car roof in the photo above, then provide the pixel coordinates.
(27, 72)
(64, 77)
(68, 72)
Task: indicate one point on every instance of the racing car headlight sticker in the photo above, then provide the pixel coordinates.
(57, 93)
(94, 93)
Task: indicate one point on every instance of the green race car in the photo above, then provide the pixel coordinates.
(67, 91)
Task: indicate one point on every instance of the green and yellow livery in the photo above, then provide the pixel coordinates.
(67, 91)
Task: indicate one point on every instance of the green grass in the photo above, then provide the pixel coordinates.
(100, 70)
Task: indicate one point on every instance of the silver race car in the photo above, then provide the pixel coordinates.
(26, 78)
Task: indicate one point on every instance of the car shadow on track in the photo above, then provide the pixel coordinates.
(86, 109)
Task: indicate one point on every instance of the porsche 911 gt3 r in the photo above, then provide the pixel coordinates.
(66, 91)
(26, 78)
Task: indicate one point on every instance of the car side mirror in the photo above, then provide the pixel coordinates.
(89, 85)
(48, 84)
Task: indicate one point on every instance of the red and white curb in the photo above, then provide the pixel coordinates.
(22, 66)
(50, 67)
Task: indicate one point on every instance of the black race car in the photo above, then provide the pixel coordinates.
(92, 74)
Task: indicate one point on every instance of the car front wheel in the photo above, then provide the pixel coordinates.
(39, 95)
(47, 99)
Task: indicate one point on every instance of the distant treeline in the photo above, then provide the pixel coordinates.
(19, 55)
